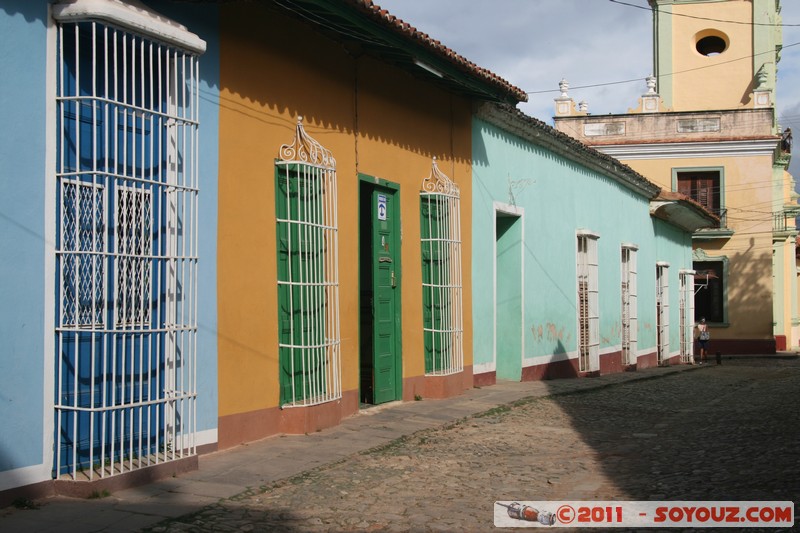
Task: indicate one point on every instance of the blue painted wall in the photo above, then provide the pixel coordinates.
(203, 20)
(558, 197)
(24, 182)
(22, 231)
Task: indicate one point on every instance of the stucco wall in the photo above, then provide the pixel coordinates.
(673, 246)
(203, 20)
(27, 235)
(556, 197)
(701, 82)
(376, 120)
(24, 240)
(749, 200)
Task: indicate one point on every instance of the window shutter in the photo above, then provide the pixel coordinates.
(440, 234)
(308, 288)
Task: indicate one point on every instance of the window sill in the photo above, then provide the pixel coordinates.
(784, 234)
(715, 233)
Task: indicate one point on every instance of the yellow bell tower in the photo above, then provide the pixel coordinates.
(716, 54)
(707, 128)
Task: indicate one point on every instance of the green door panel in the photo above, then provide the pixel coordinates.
(386, 298)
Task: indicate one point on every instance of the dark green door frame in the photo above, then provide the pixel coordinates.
(380, 290)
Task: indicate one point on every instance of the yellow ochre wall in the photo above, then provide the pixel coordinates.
(376, 120)
(711, 82)
(785, 253)
(786, 272)
(748, 194)
(796, 292)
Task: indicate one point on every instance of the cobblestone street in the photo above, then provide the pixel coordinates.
(725, 432)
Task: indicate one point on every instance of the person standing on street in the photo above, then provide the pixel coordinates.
(703, 335)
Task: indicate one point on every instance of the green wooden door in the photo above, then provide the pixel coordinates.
(386, 295)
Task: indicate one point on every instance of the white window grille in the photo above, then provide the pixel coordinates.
(662, 311)
(630, 317)
(588, 303)
(441, 274)
(687, 315)
(83, 240)
(134, 256)
(126, 253)
(308, 273)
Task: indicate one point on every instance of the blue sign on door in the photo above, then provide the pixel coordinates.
(381, 207)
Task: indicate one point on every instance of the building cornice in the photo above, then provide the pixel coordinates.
(684, 150)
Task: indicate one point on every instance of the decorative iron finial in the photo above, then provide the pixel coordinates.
(438, 182)
(305, 149)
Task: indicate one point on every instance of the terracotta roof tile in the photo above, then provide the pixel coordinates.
(382, 16)
(680, 197)
(410, 32)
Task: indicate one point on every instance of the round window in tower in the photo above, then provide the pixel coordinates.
(711, 42)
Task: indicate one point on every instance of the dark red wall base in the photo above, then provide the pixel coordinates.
(742, 346)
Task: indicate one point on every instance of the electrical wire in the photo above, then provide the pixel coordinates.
(720, 63)
(743, 23)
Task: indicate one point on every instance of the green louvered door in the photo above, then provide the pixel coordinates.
(434, 259)
(385, 275)
(380, 294)
(301, 293)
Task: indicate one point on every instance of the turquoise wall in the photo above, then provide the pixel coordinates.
(558, 197)
(675, 247)
(25, 183)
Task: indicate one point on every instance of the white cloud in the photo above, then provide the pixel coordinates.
(534, 43)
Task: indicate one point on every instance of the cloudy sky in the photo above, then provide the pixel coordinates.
(534, 43)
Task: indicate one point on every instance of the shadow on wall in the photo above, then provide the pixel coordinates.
(480, 157)
(751, 293)
(202, 20)
(560, 368)
(748, 290)
(32, 11)
(261, 37)
(265, 35)
(564, 368)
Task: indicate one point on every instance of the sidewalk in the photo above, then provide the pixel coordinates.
(228, 473)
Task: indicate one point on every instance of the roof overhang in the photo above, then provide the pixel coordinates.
(537, 132)
(682, 212)
(364, 28)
